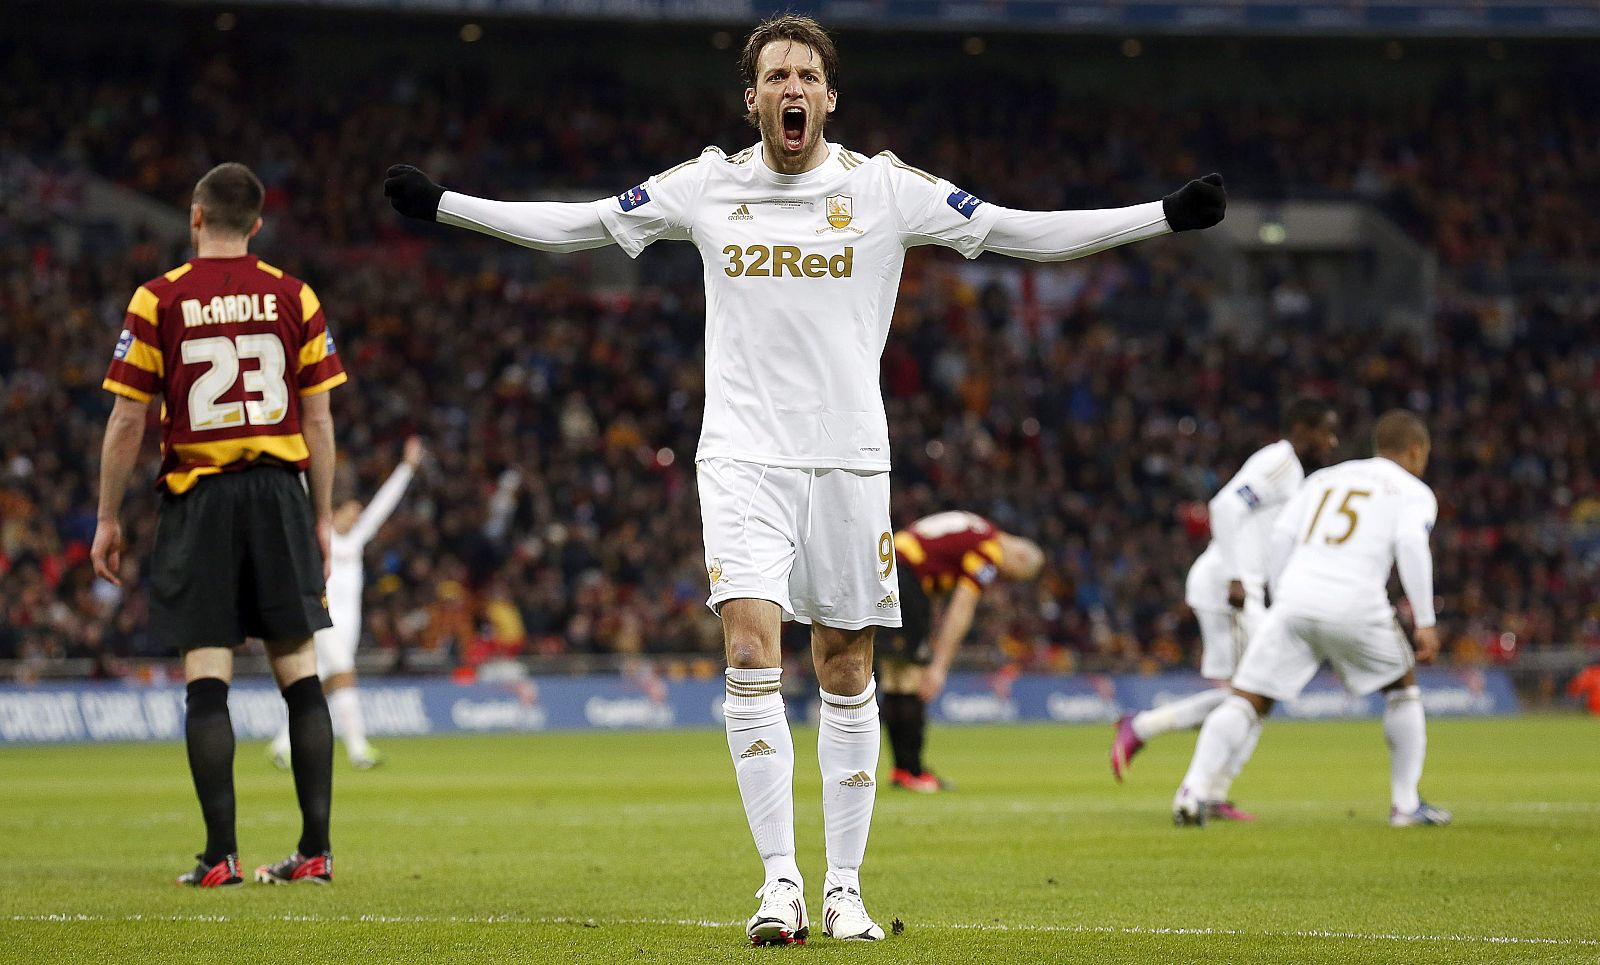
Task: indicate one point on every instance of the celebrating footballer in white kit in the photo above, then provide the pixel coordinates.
(1226, 588)
(1332, 550)
(803, 241)
(353, 528)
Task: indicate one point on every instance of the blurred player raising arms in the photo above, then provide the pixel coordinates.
(240, 353)
(1226, 586)
(353, 528)
(1331, 553)
(950, 558)
(803, 243)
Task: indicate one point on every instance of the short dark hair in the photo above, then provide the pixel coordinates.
(795, 27)
(231, 195)
(1305, 411)
(1398, 430)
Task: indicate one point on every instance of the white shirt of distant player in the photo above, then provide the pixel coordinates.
(1242, 515)
(801, 275)
(347, 572)
(1337, 540)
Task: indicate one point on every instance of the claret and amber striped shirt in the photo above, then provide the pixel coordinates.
(231, 345)
(946, 549)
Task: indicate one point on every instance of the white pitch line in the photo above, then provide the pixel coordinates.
(950, 810)
(707, 923)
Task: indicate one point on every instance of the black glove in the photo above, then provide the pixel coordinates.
(411, 193)
(1198, 204)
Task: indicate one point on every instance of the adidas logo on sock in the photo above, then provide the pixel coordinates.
(858, 779)
(758, 749)
(742, 213)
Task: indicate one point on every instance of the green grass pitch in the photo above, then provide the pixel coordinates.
(631, 847)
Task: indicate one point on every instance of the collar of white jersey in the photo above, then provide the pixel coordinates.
(817, 173)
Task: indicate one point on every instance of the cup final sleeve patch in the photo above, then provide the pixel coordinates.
(633, 198)
(964, 203)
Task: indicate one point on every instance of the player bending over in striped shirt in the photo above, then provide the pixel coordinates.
(948, 560)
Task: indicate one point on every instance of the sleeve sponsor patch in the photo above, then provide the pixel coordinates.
(331, 349)
(963, 203)
(124, 343)
(633, 198)
(1249, 496)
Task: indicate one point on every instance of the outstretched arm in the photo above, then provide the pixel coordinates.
(1064, 235)
(545, 225)
(388, 495)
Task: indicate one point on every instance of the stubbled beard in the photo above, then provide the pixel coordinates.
(772, 133)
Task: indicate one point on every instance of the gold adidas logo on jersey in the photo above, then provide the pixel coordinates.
(742, 213)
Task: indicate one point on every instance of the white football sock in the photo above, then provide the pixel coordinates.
(1177, 714)
(1223, 733)
(280, 744)
(1406, 734)
(1222, 786)
(763, 762)
(847, 752)
(344, 705)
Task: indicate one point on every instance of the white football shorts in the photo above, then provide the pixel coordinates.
(1286, 650)
(817, 542)
(1223, 635)
(336, 646)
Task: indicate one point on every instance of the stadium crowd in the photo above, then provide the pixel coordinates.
(556, 517)
(1493, 175)
(557, 513)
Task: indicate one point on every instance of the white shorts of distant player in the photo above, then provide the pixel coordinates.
(1223, 635)
(817, 542)
(336, 646)
(1286, 651)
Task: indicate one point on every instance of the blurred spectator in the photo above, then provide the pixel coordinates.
(1586, 687)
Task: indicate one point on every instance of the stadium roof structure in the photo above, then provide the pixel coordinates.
(1489, 18)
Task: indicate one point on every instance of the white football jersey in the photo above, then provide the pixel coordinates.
(1242, 515)
(801, 274)
(1343, 533)
(346, 571)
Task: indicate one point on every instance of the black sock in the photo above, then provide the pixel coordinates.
(905, 717)
(311, 755)
(209, 734)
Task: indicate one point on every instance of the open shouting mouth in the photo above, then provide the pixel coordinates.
(794, 128)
